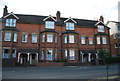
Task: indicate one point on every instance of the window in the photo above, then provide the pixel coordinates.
(11, 22)
(65, 38)
(14, 53)
(49, 54)
(119, 45)
(15, 37)
(65, 54)
(114, 36)
(34, 38)
(43, 37)
(6, 53)
(0, 36)
(83, 40)
(116, 45)
(42, 57)
(24, 37)
(104, 40)
(7, 36)
(55, 58)
(49, 37)
(70, 26)
(49, 24)
(98, 40)
(71, 38)
(56, 38)
(90, 40)
(101, 28)
(72, 55)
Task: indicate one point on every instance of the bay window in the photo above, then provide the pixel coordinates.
(71, 38)
(49, 37)
(7, 36)
(49, 54)
(65, 38)
(15, 37)
(98, 40)
(72, 54)
(104, 40)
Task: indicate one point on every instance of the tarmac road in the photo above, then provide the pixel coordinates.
(61, 72)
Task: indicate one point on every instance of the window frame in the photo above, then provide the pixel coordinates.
(35, 38)
(83, 41)
(15, 38)
(25, 38)
(65, 37)
(10, 22)
(70, 26)
(7, 54)
(10, 35)
(48, 25)
(90, 40)
(101, 28)
(104, 40)
(71, 39)
(72, 53)
(49, 56)
(98, 40)
(14, 54)
(49, 38)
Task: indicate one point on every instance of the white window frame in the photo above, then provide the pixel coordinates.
(104, 40)
(24, 37)
(43, 37)
(6, 55)
(49, 56)
(14, 54)
(11, 22)
(90, 40)
(83, 41)
(7, 36)
(72, 54)
(49, 24)
(98, 40)
(101, 28)
(71, 39)
(34, 38)
(65, 39)
(49, 37)
(70, 26)
(15, 37)
(65, 54)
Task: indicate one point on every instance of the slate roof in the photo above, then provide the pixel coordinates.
(38, 19)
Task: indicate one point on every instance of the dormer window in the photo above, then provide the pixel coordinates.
(101, 28)
(70, 26)
(11, 22)
(49, 24)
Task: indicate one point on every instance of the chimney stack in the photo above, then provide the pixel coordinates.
(5, 11)
(101, 19)
(58, 16)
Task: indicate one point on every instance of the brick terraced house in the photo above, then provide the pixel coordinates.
(33, 38)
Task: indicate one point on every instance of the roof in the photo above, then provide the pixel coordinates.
(39, 19)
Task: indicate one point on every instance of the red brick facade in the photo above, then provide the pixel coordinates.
(29, 26)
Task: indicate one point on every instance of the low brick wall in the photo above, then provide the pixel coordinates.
(42, 64)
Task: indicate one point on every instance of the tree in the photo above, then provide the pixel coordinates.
(104, 56)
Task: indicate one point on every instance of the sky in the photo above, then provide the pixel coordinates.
(81, 9)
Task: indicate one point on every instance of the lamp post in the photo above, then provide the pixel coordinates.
(107, 67)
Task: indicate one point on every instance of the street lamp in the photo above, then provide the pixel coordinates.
(107, 67)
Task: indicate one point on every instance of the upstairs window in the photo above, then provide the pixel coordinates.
(90, 40)
(24, 37)
(11, 22)
(65, 38)
(15, 37)
(49, 24)
(7, 36)
(83, 40)
(34, 38)
(98, 40)
(71, 38)
(49, 37)
(69, 26)
(43, 37)
(104, 40)
(101, 28)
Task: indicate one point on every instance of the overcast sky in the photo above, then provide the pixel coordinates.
(82, 9)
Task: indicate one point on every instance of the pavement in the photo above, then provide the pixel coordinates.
(61, 72)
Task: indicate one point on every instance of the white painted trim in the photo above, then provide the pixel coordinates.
(49, 17)
(11, 14)
(70, 19)
(99, 22)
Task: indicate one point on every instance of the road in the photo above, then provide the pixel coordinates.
(61, 72)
